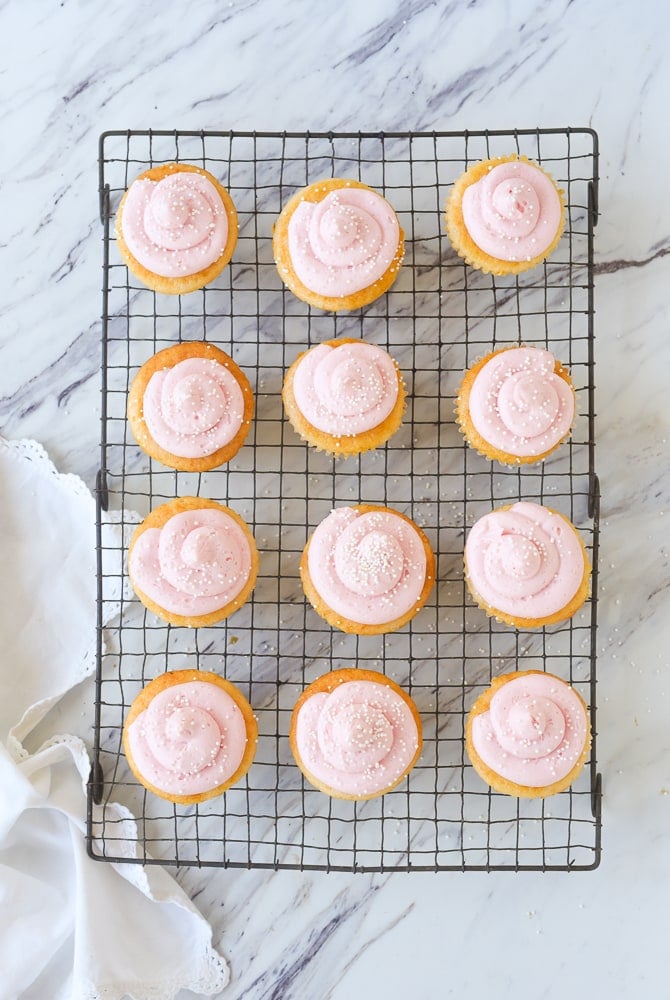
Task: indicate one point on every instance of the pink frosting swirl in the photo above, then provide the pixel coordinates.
(368, 567)
(358, 739)
(513, 212)
(175, 226)
(190, 739)
(347, 389)
(343, 243)
(518, 403)
(534, 732)
(196, 564)
(525, 561)
(193, 408)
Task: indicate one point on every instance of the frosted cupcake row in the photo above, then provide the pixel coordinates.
(355, 734)
(190, 406)
(338, 244)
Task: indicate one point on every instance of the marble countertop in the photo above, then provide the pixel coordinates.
(75, 69)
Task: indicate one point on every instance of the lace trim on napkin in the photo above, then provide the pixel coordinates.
(211, 980)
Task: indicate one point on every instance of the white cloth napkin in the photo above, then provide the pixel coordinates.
(70, 928)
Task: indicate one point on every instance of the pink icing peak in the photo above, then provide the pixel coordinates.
(534, 732)
(345, 389)
(194, 408)
(519, 404)
(368, 567)
(358, 739)
(513, 212)
(196, 564)
(190, 739)
(525, 561)
(343, 243)
(175, 226)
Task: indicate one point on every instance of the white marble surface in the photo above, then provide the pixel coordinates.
(71, 70)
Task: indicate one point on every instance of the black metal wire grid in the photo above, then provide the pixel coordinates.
(437, 319)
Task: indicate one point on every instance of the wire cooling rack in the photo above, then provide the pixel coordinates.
(437, 319)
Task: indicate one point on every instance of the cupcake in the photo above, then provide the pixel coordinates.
(367, 570)
(190, 407)
(516, 405)
(528, 735)
(355, 734)
(505, 215)
(176, 228)
(526, 565)
(344, 396)
(192, 562)
(189, 735)
(338, 245)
